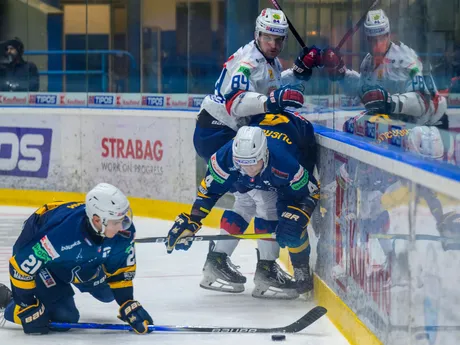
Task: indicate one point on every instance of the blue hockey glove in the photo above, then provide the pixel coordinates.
(133, 313)
(292, 226)
(183, 226)
(308, 59)
(34, 319)
(377, 100)
(283, 97)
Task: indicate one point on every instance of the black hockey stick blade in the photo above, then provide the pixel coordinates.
(309, 318)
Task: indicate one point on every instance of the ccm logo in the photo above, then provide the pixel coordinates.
(289, 215)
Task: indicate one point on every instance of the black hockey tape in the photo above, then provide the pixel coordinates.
(278, 337)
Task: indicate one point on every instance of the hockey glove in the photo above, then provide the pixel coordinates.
(34, 319)
(184, 226)
(292, 227)
(305, 62)
(377, 100)
(133, 313)
(283, 97)
(333, 62)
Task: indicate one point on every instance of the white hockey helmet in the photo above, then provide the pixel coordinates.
(376, 23)
(272, 22)
(426, 141)
(108, 203)
(250, 146)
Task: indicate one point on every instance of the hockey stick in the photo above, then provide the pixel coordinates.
(419, 237)
(291, 27)
(355, 28)
(305, 321)
(208, 238)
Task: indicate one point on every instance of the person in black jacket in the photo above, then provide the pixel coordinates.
(15, 73)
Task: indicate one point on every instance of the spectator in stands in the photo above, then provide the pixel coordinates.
(15, 73)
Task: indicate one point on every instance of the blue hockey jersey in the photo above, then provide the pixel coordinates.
(59, 237)
(289, 170)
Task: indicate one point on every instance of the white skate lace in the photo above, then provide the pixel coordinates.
(300, 274)
(232, 266)
(281, 276)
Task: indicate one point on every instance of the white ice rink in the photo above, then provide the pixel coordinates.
(168, 287)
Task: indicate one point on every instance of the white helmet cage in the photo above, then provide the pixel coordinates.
(250, 146)
(273, 22)
(376, 24)
(108, 203)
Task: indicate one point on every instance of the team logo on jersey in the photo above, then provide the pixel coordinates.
(69, 247)
(300, 179)
(245, 70)
(216, 171)
(280, 174)
(48, 247)
(47, 278)
(270, 73)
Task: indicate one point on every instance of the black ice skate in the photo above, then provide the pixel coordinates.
(304, 280)
(5, 298)
(220, 274)
(272, 282)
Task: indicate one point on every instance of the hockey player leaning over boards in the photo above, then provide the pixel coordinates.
(251, 83)
(89, 245)
(392, 81)
(275, 153)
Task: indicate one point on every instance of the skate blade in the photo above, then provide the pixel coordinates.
(308, 296)
(2, 317)
(221, 286)
(274, 293)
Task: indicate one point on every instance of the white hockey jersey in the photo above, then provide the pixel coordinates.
(401, 74)
(248, 70)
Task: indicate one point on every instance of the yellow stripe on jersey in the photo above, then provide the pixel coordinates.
(16, 318)
(300, 248)
(120, 270)
(121, 284)
(28, 284)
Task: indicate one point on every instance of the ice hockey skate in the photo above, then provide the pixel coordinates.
(220, 274)
(271, 281)
(304, 280)
(5, 298)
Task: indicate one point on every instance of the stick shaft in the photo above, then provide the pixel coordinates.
(209, 238)
(291, 27)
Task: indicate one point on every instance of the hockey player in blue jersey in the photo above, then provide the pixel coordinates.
(252, 82)
(89, 245)
(276, 153)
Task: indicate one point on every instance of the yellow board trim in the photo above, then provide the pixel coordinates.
(167, 210)
(343, 318)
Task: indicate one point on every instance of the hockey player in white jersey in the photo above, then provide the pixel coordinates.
(251, 83)
(392, 81)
